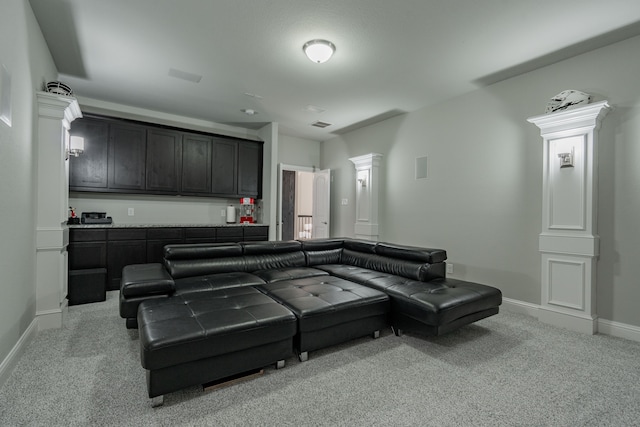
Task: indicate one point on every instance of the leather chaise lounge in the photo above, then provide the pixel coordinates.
(216, 310)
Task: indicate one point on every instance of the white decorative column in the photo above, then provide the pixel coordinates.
(569, 241)
(367, 189)
(55, 114)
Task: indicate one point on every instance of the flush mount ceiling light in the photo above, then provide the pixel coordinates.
(319, 51)
(249, 111)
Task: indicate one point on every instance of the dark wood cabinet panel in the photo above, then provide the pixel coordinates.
(200, 235)
(229, 234)
(127, 150)
(196, 164)
(250, 169)
(126, 234)
(89, 169)
(155, 248)
(224, 167)
(87, 234)
(165, 233)
(157, 238)
(256, 233)
(84, 255)
(121, 253)
(164, 154)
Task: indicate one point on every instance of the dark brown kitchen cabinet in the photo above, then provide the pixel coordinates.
(224, 167)
(200, 235)
(89, 169)
(158, 238)
(127, 150)
(125, 246)
(256, 233)
(125, 156)
(87, 252)
(196, 164)
(230, 234)
(164, 153)
(87, 249)
(250, 169)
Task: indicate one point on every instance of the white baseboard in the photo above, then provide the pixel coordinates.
(605, 327)
(620, 330)
(520, 307)
(7, 365)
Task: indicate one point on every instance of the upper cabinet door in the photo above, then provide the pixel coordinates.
(127, 149)
(224, 167)
(250, 169)
(164, 152)
(196, 164)
(89, 169)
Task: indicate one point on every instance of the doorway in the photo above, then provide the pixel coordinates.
(303, 211)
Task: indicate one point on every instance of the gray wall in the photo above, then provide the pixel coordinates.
(482, 200)
(298, 151)
(25, 55)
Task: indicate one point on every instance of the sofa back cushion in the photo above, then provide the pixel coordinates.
(212, 258)
(410, 269)
(411, 253)
(202, 251)
(323, 251)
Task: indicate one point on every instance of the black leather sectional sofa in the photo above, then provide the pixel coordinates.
(217, 310)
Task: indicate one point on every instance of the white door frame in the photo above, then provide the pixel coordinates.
(284, 167)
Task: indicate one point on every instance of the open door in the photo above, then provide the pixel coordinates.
(321, 203)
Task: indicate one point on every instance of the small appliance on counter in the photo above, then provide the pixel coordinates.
(247, 208)
(95, 218)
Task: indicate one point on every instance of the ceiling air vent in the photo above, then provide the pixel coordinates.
(320, 124)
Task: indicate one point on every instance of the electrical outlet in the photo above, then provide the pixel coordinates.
(345, 202)
(130, 212)
(223, 213)
(449, 268)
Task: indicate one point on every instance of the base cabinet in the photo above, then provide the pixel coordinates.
(98, 255)
(87, 286)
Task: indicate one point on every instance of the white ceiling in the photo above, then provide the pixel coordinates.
(392, 56)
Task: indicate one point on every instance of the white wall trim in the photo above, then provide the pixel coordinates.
(620, 330)
(605, 327)
(10, 362)
(520, 307)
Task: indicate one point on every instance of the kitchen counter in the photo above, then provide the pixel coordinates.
(176, 225)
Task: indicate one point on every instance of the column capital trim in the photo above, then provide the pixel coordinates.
(587, 116)
(58, 107)
(366, 160)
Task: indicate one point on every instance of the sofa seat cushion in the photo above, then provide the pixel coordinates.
(288, 273)
(195, 326)
(442, 301)
(213, 282)
(325, 301)
(358, 274)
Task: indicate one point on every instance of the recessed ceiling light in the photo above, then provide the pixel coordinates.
(249, 111)
(319, 51)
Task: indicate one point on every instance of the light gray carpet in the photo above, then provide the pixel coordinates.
(506, 370)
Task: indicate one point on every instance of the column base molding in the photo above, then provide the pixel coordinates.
(52, 319)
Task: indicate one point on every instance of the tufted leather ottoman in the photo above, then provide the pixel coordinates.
(201, 337)
(330, 310)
